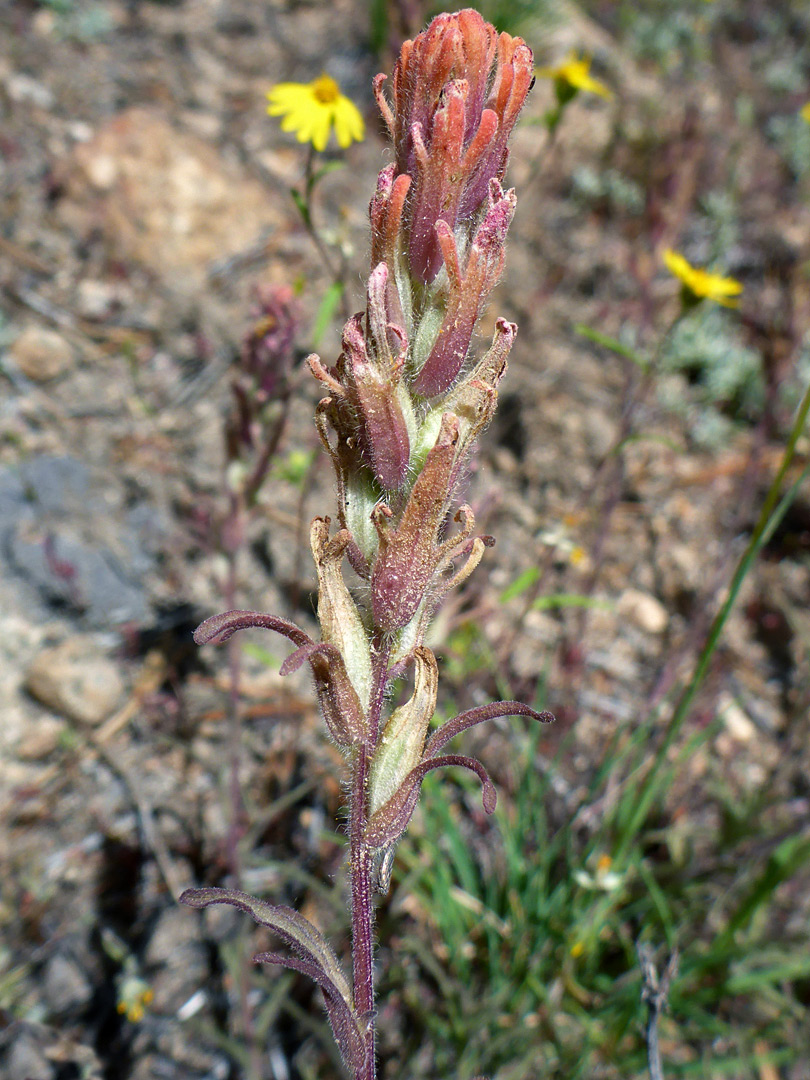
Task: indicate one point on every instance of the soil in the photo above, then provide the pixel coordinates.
(143, 196)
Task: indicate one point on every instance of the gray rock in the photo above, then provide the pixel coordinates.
(14, 504)
(66, 987)
(70, 572)
(26, 1060)
(146, 534)
(56, 484)
(63, 531)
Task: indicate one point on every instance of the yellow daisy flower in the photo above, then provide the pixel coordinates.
(700, 284)
(804, 112)
(573, 75)
(313, 109)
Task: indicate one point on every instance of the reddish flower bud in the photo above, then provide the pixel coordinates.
(385, 213)
(468, 290)
(458, 89)
(409, 555)
(370, 371)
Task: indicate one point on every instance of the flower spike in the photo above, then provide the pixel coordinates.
(402, 407)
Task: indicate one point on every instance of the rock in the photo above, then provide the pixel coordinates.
(56, 483)
(26, 1060)
(69, 571)
(644, 610)
(175, 944)
(14, 504)
(737, 722)
(41, 741)
(24, 89)
(75, 680)
(174, 931)
(66, 987)
(41, 355)
(98, 300)
(164, 198)
(59, 533)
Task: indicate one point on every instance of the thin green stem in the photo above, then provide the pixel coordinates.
(770, 516)
(304, 203)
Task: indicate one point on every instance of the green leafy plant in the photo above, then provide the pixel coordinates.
(538, 929)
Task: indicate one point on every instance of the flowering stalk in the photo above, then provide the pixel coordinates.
(402, 409)
(261, 387)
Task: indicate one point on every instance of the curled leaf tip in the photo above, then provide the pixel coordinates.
(219, 628)
(197, 898)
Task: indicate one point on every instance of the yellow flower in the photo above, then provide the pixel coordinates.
(573, 74)
(133, 997)
(311, 110)
(804, 112)
(700, 284)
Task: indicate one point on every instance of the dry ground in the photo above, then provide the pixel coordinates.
(143, 193)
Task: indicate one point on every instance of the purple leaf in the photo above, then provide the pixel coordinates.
(390, 821)
(292, 928)
(340, 705)
(472, 717)
(219, 628)
(316, 958)
(342, 1017)
(307, 652)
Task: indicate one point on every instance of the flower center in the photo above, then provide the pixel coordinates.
(326, 90)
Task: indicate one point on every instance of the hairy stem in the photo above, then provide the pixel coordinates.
(361, 862)
(362, 913)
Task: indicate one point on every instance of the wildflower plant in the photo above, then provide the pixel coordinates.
(402, 409)
(313, 110)
(700, 284)
(570, 78)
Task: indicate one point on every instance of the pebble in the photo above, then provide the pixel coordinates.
(644, 610)
(39, 743)
(76, 681)
(176, 945)
(174, 930)
(737, 722)
(41, 355)
(26, 1060)
(26, 90)
(66, 987)
(97, 300)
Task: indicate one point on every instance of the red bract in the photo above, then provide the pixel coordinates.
(457, 89)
